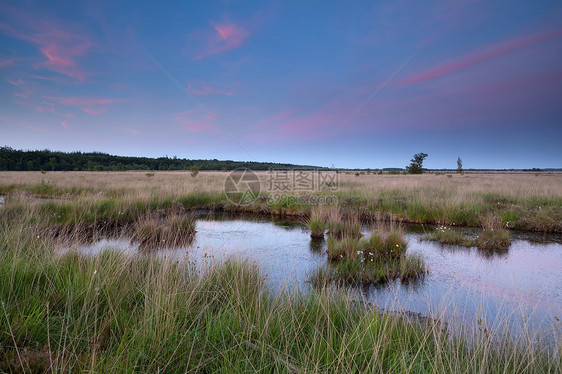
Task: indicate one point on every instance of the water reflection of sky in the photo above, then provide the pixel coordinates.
(462, 283)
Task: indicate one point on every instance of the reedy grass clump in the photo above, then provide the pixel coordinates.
(343, 226)
(452, 236)
(378, 259)
(153, 232)
(388, 244)
(492, 236)
(345, 248)
(316, 223)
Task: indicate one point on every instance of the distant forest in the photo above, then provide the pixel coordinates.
(46, 160)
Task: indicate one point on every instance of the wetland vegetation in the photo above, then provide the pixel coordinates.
(119, 313)
(520, 201)
(492, 236)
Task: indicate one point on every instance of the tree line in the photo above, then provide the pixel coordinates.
(46, 160)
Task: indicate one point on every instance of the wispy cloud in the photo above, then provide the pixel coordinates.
(60, 44)
(94, 112)
(275, 118)
(208, 89)
(291, 124)
(86, 101)
(225, 36)
(129, 130)
(65, 125)
(18, 82)
(89, 105)
(9, 61)
(479, 56)
(24, 125)
(193, 122)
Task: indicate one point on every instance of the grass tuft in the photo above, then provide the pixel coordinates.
(343, 226)
(154, 232)
(380, 258)
(316, 223)
(493, 236)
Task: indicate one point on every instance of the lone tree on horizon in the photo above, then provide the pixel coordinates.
(416, 164)
(459, 165)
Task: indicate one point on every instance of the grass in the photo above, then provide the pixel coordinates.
(493, 236)
(118, 313)
(449, 235)
(153, 232)
(345, 248)
(316, 223)
(114, 313)
(379, 259)
(343, 226)
(523, 201)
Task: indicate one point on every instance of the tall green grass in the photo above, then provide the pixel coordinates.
(316, 223)
(114, 313)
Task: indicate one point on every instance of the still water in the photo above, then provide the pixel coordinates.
(518, 285)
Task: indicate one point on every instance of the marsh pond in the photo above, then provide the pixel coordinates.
(520, 284)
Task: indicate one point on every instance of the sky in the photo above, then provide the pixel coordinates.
(350, 84)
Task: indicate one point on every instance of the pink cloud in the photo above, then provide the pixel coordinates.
(94, 112)
(65, 125)
(5, 62)
(120, 86)
(472, 102)
(89, 101)
(128, 129)
(61, 59)
(287, 125)
(55, 111)
(226, 36)
(311, 126)
(194, 125)
(26, 89)
(24, 125)
(479, 56)
(35, 107)
(59, 80)
(19, 82)
(276, 117)
(208, 90)
(61, 45)
(90, 105)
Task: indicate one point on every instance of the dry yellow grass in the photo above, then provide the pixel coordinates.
(531, 200)
(177, 183)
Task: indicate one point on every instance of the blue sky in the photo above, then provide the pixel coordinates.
(353, 84)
